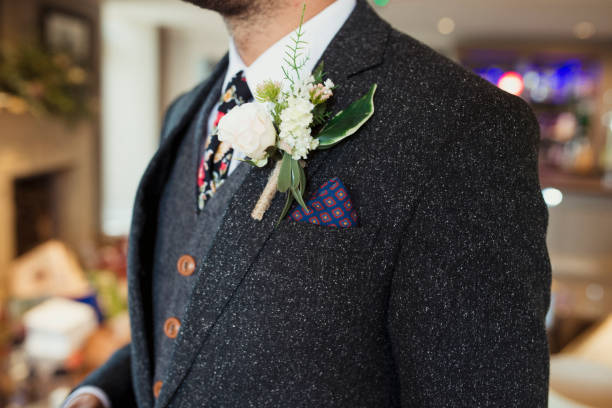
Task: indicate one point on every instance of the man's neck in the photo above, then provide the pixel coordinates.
(257, 32)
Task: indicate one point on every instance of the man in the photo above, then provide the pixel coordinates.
(436, 298)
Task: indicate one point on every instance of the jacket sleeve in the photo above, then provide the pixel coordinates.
(114, 378)
(471, 283)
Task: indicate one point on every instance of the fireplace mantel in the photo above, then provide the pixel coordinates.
(31, 146)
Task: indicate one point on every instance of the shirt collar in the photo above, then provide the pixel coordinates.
(318, 33)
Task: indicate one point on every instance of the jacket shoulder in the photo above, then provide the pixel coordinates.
(435, 89)
(438, 115)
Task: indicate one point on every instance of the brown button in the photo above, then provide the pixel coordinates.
(157, 388)
(186, 265)
(171, 327)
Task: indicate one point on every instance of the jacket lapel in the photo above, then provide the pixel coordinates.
(143, 229)
(358, 46)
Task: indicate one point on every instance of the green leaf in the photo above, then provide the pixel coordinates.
(270, 150)
(273, 153)
(288, 202)
(256, 163)
(302, 181)
(320, 115)
(296, 185)
(318, 73)
(348, 121)
(295, 173)
(284, 177)
(298, 197)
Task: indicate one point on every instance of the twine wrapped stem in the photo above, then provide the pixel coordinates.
(265, 199)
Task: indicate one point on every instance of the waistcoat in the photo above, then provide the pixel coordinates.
(182, 230)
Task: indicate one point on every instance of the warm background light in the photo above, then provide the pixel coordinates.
(584, 30)
(512, 82)
(446, 25)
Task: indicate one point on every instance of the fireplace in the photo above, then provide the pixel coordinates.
(48, 185)
(36, 212)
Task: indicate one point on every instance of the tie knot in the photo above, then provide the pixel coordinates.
(239, 89)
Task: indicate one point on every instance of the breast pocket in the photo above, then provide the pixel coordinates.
(312, 238)
(304, 251)
(305, 268)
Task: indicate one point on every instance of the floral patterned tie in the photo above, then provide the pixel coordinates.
(217, 155)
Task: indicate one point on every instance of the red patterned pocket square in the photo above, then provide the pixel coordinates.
(330, 205)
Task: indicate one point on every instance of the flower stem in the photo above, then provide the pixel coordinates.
(265, 199)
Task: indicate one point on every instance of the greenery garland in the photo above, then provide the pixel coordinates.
(43, 83)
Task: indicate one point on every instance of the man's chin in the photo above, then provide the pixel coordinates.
(225, 7)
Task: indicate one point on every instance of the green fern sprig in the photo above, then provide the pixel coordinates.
(294, 55)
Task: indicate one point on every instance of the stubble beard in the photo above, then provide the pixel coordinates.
(235, 9)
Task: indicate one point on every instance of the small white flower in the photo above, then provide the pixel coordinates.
(301, 87)
(295, 137)
(329, 84)
(249, 129)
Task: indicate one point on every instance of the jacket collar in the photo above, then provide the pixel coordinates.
(358, 46)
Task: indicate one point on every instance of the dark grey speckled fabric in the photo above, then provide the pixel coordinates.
(186, 231)
(437, 300)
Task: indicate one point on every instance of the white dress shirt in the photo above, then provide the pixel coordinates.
(318, 33)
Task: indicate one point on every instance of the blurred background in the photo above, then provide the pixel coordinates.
(83, 88)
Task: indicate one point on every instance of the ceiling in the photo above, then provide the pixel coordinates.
(506, 19)
(474, 19)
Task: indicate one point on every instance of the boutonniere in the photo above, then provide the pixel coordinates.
(287, 122)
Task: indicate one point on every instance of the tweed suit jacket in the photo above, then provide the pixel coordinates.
(437, 299)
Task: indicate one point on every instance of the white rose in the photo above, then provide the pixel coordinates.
(249, 129)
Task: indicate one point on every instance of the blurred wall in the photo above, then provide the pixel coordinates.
(580, 247)
(186, 57)
(581, 226)
(580, 239)
(130, 95)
